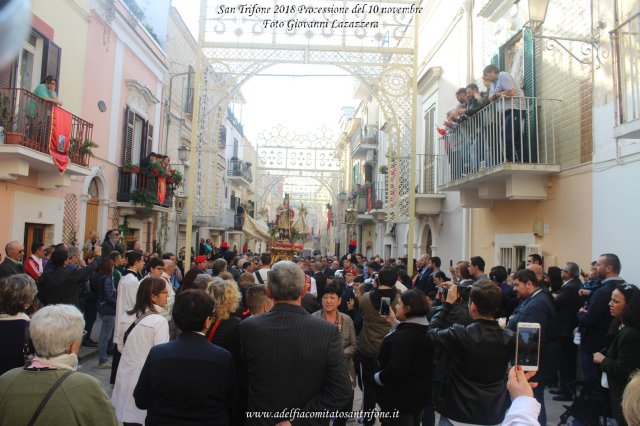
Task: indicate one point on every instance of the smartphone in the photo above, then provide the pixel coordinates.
(385, 305)
(528, 346)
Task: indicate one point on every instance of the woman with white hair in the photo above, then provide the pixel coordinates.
(17, 293)
(51, 388)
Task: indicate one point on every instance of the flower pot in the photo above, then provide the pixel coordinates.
(132, 169)
(171, 180)
(13, 138)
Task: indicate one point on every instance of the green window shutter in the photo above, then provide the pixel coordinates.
(529, 81)
(529, 63)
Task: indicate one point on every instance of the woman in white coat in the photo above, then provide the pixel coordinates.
(141, 329)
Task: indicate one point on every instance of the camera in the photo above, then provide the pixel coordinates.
(443, 291)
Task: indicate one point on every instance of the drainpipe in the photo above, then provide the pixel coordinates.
(466, 214)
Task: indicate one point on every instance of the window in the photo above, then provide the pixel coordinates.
(189, 95)
(426, 163)
(38, 58)
(138, 138)
(511, 249)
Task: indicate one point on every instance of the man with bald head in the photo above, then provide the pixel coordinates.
(12, 263)
(537, 269)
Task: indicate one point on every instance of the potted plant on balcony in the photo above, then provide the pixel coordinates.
(155, 169)
(175, 177)
(143, 198)
(146, 200)
(383, 170)
(87, 147)
(130, 168)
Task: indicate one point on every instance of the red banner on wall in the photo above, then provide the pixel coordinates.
(60, 136)
(162, 189)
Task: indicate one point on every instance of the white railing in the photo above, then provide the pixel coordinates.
(625, 39)
(510, 130)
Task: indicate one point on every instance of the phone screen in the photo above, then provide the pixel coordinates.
(385, 304)
(528, 347)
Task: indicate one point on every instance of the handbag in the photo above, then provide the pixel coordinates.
(96, 330)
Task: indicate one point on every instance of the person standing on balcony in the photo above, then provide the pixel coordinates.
(514, 108)
(47, 90)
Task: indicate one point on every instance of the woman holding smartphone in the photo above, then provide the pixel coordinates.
(622, 355)
(404, 363)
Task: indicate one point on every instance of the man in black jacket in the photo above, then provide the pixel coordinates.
(567, 304)
(12, 263)
(62, 284)
(479, 354)
(536, 306)
(189, 380)
(595, 319)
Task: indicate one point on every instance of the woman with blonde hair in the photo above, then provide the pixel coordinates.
(226, 297)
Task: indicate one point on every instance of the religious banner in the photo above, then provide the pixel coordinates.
(60, 136)
(368, 199)
(162, 189)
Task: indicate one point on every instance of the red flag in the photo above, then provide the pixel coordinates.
(59, 139)
(162, 189)
(368, 199)
(328, 219)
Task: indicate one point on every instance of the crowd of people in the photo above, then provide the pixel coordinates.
(234, 339)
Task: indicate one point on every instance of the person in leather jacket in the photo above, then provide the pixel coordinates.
(475, 390)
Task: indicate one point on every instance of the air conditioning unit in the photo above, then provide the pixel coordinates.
(495, 9)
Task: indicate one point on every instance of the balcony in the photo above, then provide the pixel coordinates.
(626, 53)
(140, 189)
(365, 142)
(239, 171)
(501, 153)
(26, 120)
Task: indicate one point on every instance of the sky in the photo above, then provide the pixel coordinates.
(291, 95)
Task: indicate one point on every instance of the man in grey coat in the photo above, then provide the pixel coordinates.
(294, 362)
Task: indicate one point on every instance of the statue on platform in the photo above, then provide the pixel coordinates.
(301, 225)
(284, 216)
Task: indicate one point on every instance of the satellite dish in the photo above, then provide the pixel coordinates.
(102, 106)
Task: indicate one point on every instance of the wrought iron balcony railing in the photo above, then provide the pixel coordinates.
(239, 168)
(510, 130)
(139, 186)
(26, 119)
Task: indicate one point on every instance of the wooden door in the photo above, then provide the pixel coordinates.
(32, 232)
(91, 218)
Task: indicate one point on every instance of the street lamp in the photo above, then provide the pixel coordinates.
(183, 153)
(538, 10)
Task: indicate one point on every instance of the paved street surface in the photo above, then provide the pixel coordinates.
(89, 362)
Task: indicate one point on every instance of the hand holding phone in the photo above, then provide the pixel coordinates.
(528, 346)
(385, 306)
